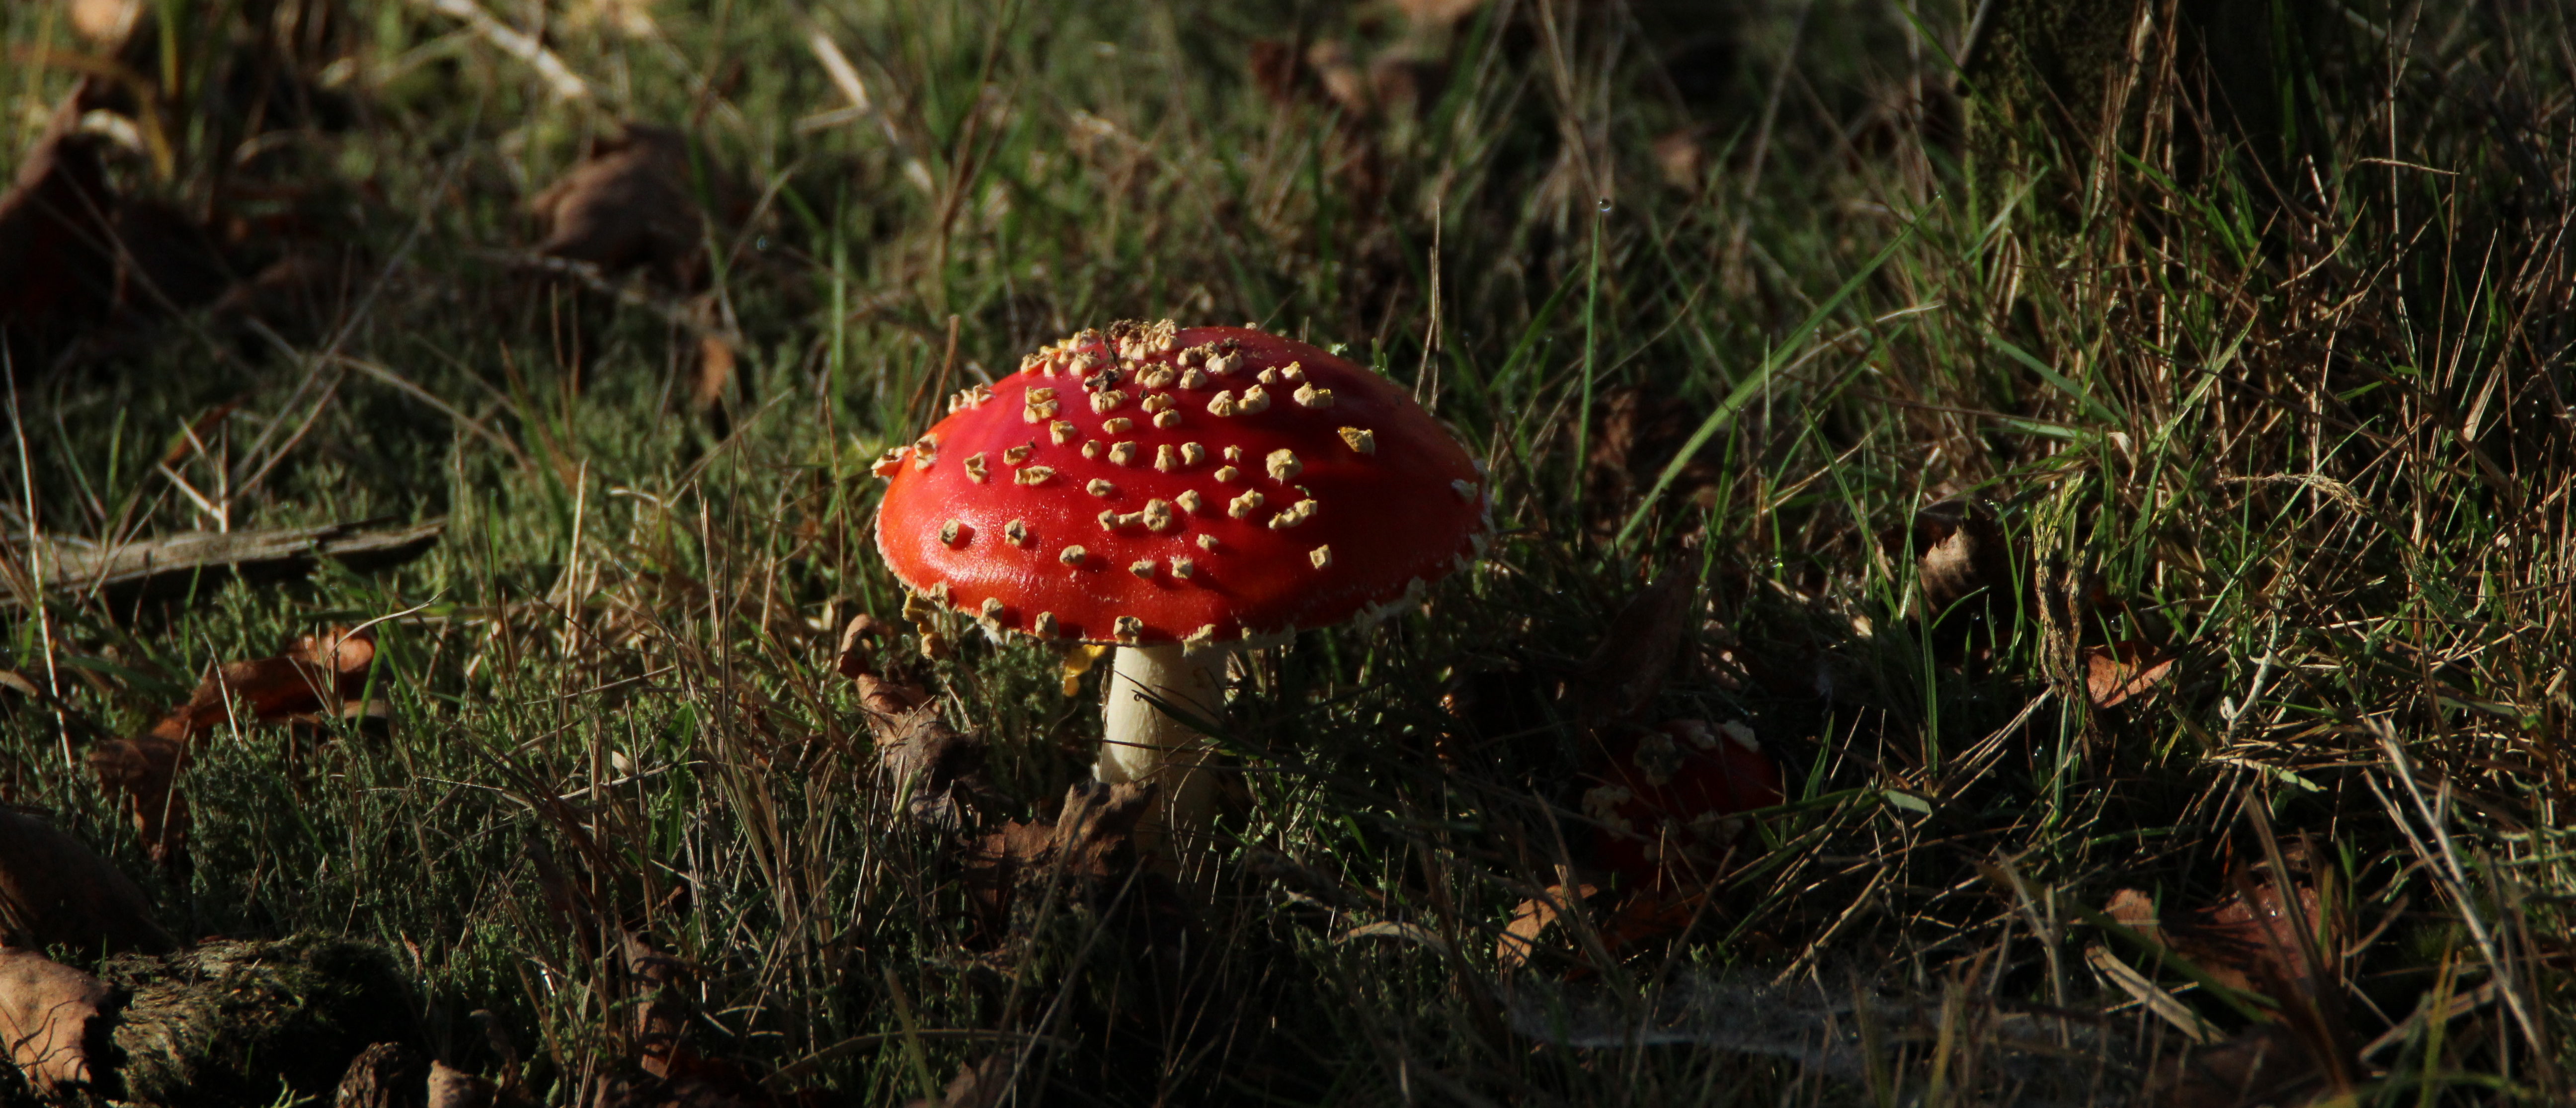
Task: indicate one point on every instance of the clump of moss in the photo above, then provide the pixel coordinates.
(236, 1022)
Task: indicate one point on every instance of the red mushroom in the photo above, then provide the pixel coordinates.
(1667, 799)
(1178, 492)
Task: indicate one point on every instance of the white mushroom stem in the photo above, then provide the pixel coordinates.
(1140, 742)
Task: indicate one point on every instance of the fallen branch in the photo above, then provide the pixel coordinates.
(172, 564)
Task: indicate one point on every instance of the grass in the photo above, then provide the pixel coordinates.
(2287, 403)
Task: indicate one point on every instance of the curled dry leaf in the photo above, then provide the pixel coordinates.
(317, 673)
(55, 890)
(939, 769)
(1961, 554)
(627, 205)
(2123, 671)
(1530, 921)
(1088, 852)
(46, 1012)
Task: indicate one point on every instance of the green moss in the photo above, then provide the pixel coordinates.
(231, 1023)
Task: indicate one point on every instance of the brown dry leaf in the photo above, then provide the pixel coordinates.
(627, 205)
(1089, 849)
(318, 673)
(1628, 667)
(715, 372)
(1531, 920)
(1961, 553)
(1338, 70)
(450, 1087)
(144, 771)
(46, 1010)
(385, 1075)
(2123, 671)
(938, 769)
(978, 1084)
(1682, 158)
(57, 272)
(660, 1021)
(2251, 941)
(1648, 913)
(55, 889)
(2137, 912)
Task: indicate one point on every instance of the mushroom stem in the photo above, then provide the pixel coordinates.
(1140, 742)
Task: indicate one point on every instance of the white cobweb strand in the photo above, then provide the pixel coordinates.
(1139, 742)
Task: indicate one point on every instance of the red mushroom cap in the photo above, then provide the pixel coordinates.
(1665, 795)
(1159, 484)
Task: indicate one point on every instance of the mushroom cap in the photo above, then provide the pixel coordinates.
(1664, 796)
(1202, 485)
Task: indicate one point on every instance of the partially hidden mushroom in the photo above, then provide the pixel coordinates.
(1667, 804)
(1178, 493)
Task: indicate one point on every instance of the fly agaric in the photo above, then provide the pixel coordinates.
(1667, 798)
(1178, 492)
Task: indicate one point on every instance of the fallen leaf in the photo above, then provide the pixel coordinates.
(57, 271)
(715, 372)
(2137, 912)
(627, 205)
(386, 1075)
(1338, 70)
(450, 1087)
(937, 769)
(661, 1022)
(2123, 671)
(1087, 852)
(1530, 920)
(318, 673)
(1627, 668)
(46, 1011)
(55, 890)
(1682, 158)
(1961, 553)
(143, 771)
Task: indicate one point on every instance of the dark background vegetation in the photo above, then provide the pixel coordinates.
(2095, 448)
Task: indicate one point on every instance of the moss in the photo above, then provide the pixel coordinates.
(230, 1023)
